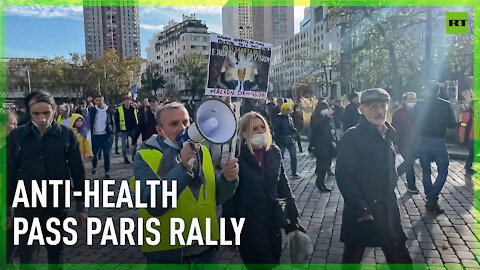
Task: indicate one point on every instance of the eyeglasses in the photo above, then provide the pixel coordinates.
(376, 106)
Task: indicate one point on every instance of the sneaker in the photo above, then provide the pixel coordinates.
(126, 161)
(413, 190)
(469, 171)
(94, 171)
(295, 177)
(107, 176)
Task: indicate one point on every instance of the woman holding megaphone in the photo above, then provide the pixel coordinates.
(263, 195)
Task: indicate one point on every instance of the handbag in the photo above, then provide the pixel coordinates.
(301, 247)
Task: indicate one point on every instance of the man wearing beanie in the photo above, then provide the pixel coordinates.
(366, 177)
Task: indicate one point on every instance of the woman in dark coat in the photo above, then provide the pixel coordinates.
(262, 181)
(321, 142)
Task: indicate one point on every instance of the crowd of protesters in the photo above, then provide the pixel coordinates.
(57, 140)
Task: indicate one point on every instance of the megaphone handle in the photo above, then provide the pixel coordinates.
(234, 140)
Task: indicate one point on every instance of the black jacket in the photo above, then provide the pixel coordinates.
(258, 190)
(350, 116)
(284, 130)
(32, 157)
(130, 120)
(321, 141)
(146, 125)
(297, 117)
(366, 177)
(338, 116)
(93, 113)
(432, 117)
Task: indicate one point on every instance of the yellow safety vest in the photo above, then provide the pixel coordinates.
(187, 206)
(59, 120)
(121, 114)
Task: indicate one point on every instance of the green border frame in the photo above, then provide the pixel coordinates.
(5, 3)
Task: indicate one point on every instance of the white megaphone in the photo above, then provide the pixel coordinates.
(214, 121)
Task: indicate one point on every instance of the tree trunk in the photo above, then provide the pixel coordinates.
(396, 81)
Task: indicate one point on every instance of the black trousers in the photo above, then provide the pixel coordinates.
(29, 253)
(399, 254)
(408, 166)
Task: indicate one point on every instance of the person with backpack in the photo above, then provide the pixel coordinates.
(40, 150)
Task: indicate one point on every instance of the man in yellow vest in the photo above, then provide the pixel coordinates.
(126, 121)
(199, 188)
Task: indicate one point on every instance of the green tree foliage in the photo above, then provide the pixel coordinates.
(193, 69)
(152, 80)
(79, 75)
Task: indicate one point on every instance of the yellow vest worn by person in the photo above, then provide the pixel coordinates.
(59, 120)
(121, 117)
(187, 206)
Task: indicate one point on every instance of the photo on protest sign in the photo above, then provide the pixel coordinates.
(238, 67)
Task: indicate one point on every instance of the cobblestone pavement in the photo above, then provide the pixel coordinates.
(446, 238)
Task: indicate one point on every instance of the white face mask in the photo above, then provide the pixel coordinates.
(411, 105)
(324, 112)
(47, 127)
(259, 140)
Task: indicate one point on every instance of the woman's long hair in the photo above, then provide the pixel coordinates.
(245, 127)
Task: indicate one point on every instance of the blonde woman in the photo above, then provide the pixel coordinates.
(262, 182)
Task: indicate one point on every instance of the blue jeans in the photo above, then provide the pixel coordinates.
(469, 161)
(125, 135)
(101, 142)
(292, 150)
(433, 150)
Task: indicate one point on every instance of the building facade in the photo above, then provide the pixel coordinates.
(292, 59)
(272, 24)
(175, 41)
(237, 20)
(108, 27)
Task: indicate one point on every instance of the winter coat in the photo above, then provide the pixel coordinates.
(338, 116)
(53, 156)
(366, 177)
(284, 130)
(297, 117)
(402, 121)
(146, 125)
(92, 113)
(130, 119)
(321, 142)
(255, 197)
(350, 116)
(83, 143)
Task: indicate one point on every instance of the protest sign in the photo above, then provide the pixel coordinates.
(238, 67)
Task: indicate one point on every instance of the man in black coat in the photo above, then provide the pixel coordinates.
(366, 177)
(351, 114)
(146, 121)
(43, 150)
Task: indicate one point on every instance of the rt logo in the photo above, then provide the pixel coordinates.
(457, 22)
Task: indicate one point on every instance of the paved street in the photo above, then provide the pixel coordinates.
(447, 238)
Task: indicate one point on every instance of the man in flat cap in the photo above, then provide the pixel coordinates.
(367, 177)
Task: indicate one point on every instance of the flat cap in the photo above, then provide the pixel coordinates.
(375, 94)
